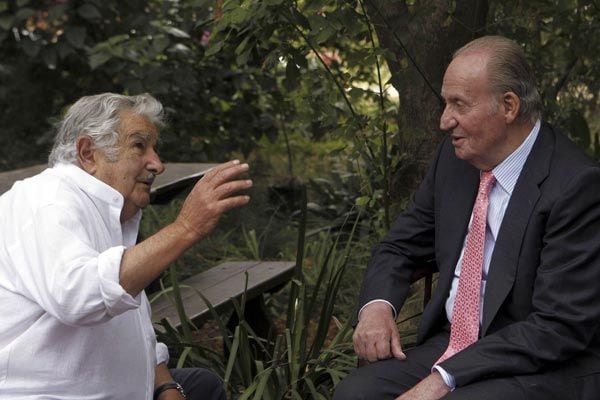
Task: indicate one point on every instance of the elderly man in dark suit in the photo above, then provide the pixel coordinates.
(510, 211)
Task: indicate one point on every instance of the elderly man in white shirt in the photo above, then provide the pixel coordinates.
(74, 320)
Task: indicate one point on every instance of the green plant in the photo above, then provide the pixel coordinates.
(310, 354)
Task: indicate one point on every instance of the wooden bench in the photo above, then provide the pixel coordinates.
(220, 285)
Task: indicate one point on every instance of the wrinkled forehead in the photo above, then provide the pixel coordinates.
(136, 126)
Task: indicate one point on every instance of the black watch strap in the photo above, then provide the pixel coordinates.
(168, 386)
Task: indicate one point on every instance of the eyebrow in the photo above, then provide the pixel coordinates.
(140, 135)
(146, 136)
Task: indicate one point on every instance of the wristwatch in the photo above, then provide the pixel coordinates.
(167, 386)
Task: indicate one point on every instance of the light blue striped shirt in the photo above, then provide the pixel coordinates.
(506, 174)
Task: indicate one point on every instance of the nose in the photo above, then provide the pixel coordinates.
(447, 120)
(154, 164)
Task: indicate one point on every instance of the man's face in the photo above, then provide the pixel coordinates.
(137, 163)
(473, 116)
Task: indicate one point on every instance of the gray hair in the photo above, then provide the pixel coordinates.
(508, 71)
(98, 117)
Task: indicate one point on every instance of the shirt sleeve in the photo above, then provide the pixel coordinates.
(61, 269)
(378, 301)
(162, 353)
(448, 379)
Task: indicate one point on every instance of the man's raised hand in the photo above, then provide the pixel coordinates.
(214, 194)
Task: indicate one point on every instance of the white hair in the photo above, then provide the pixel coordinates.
(98, 117)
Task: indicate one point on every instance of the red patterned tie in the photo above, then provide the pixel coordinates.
(464, 329)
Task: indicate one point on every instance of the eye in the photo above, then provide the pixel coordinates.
(139, 145)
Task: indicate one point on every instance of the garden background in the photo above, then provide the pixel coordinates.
(334, 104)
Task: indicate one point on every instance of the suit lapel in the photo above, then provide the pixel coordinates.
(458, 199)
(503, 265)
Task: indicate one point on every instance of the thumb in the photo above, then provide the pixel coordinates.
(397, 347)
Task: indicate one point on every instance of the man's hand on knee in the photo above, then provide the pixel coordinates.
(376, 335)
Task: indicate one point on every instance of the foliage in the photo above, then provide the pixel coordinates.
(562, 42)
(324, 54)
(233, 72)
(303, 90)
(53, 52)
(296, 363)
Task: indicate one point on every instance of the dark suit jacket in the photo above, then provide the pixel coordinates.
(542, 300)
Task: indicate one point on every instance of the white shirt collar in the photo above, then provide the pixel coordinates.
(94, 187)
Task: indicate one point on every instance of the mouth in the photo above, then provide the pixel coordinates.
(457, 139)
(147, 180)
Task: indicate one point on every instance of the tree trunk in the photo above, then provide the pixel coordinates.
(429, 33)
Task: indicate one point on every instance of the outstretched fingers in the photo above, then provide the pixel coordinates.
(233, 202)
(228, 188)
(215, 194)
(224, 172)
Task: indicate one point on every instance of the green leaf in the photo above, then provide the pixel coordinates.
(117, 39)
(214, 47)
(22, 3)
(316, 22)
(242, 46)
(58, 11)
(300, 18)
(76, 36)
(89, 12)
(3, 6)
(201, 23)
(316, 5)
(237, 16)
(181, 49)
(181, 361)
(176, 32)
(242, 59)
(160, 43)
(325, 34)
(6, 22)
(99, 58)
(24, 13)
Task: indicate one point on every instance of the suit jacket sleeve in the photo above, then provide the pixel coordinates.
(409, 243)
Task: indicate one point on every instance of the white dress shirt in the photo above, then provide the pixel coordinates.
(68, 330)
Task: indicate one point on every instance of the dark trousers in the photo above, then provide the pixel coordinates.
(199, 383)
(388, 379)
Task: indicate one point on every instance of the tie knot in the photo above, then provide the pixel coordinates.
(486, 182)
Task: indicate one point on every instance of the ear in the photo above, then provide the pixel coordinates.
(86, 154)
(512, 105)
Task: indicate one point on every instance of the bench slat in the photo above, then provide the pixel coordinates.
(205, 280)
(221, 283)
